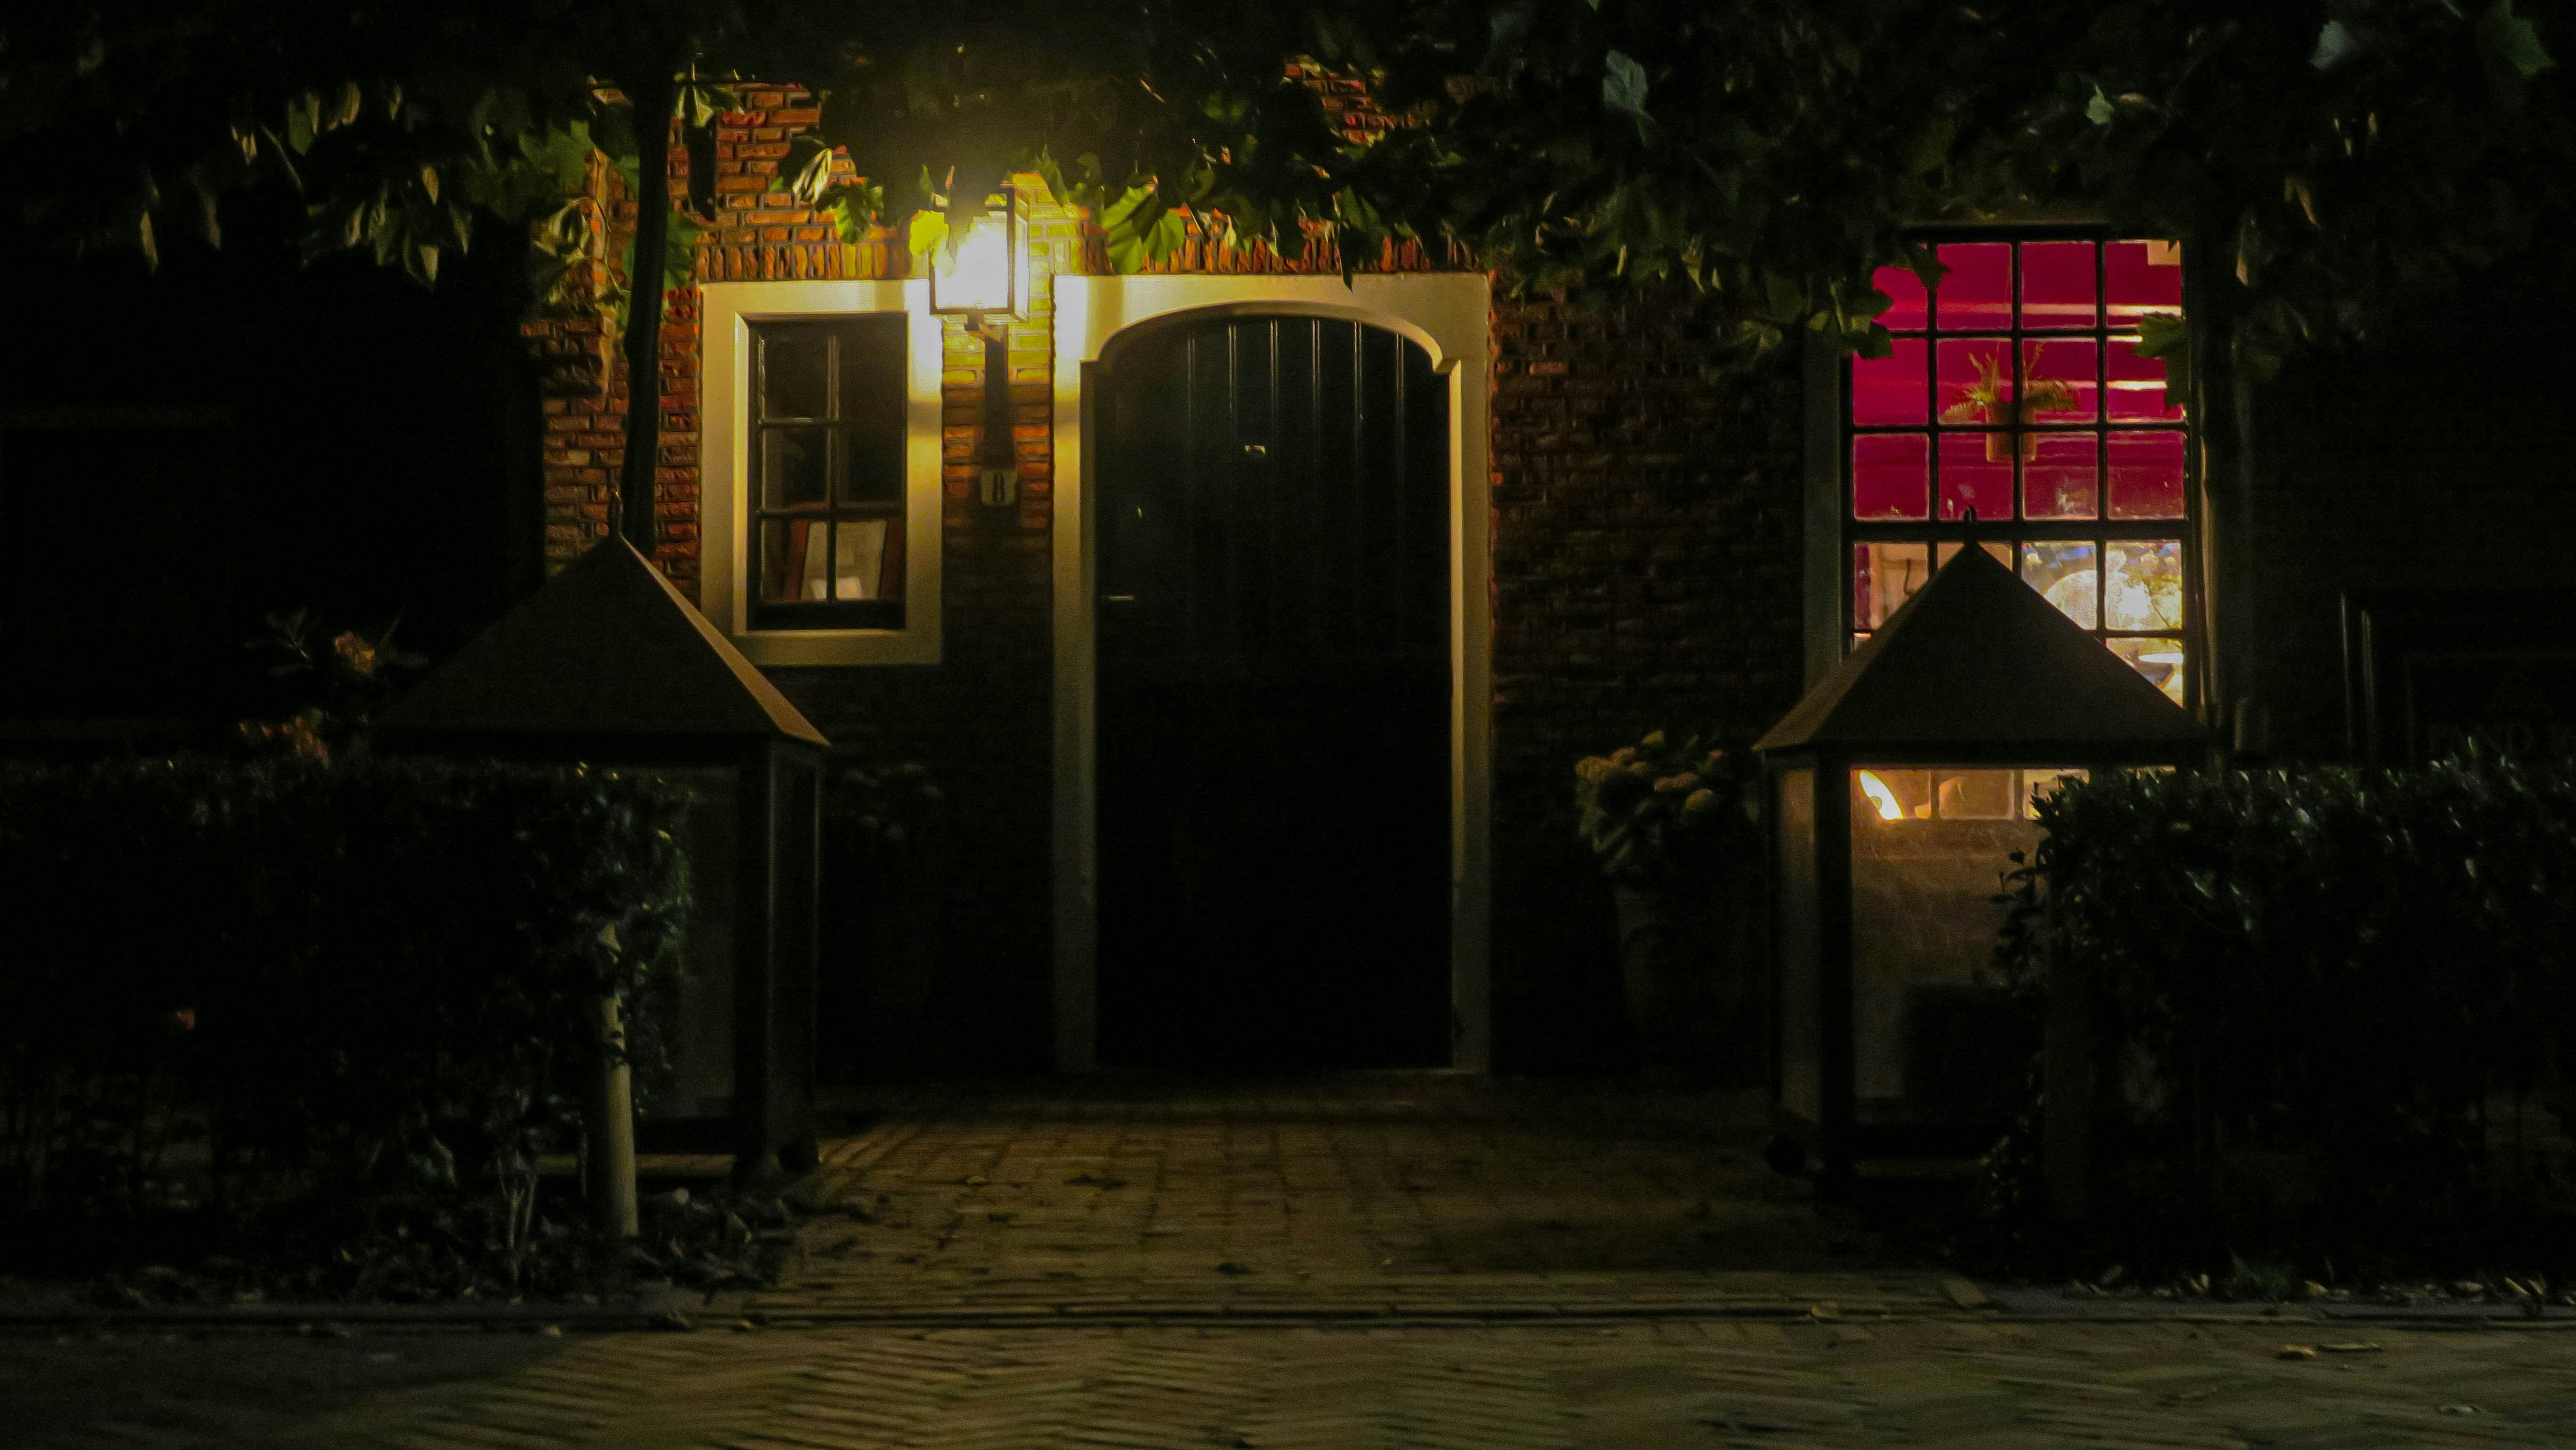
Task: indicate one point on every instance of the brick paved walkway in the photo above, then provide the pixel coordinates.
(1083, 1213)
(1915, 1382)
(1428, 1191)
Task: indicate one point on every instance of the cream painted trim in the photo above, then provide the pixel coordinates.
(727, 310)
(1450, 315)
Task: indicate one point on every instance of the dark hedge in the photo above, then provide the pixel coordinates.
(2335, 1008)
(324, 1017)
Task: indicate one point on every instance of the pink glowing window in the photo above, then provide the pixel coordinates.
(2141, 277)
(2136, 385)
(2057, 286)
(1976, 382)
(1890, 478)
(2060, 380)
(2062, 477)
(1976, 472)
(2146, 474)
(1891, 390)
(2015, 391)
(1976, 294)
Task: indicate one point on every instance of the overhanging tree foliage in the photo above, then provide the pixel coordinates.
(2349, 157)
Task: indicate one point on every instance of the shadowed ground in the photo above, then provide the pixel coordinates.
(1416, 1187)
(1479, 1264)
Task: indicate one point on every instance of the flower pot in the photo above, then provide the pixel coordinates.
(1667, 982)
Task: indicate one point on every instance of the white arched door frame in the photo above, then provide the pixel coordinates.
(1450, 315)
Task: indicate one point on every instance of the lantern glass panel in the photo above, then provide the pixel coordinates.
(975, 275)
(1892, 389)
(1801, 1029)
(701, 1027)
(1928, 850)
(1884, 576)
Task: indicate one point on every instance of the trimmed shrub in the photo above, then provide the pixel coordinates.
(2333, 1008)
(326, 1017)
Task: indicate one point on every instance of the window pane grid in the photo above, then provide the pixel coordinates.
(827, 440)
(2013, 389)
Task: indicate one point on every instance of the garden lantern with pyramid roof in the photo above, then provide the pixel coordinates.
(1899, 787)
(609, 665)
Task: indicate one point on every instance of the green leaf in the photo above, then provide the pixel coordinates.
(852, 209)
(929, 229)
(2335, 45)
(2098, 110)
(303, 120)
(1623, 87)
(2163, 336)
(1931, 145)
(680, 251)
(2511, 42)
(698, 103)
(808, 169)
(1141, 229)
(1153, 243)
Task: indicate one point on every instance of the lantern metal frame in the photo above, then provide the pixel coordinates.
(610, 666)
(1006, 203)
(1975, 672)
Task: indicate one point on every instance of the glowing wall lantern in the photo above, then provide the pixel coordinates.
(981, 272)
(983, 267)
(1899, 787)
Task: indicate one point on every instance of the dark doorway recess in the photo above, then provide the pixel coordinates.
(1274, 683)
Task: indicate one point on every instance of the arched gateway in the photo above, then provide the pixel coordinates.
(1272, 552)
(1272, 673)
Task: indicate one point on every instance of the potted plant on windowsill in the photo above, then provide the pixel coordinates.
(1990, 400)
(1671, 823)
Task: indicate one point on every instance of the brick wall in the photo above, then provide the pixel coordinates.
(1645, 559)
(1646, 576)
(2433, 458)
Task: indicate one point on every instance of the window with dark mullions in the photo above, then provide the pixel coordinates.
(827, 473)
(2015, 389)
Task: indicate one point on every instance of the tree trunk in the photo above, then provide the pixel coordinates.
(651, 95)
(610, 1165)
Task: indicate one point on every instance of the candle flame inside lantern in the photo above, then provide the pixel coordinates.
(1882, 797)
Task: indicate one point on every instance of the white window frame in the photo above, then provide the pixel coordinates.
(726, 312)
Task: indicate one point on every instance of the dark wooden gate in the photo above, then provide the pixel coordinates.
(1273, 517)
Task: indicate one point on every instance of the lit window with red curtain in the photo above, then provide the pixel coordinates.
(2015, 389)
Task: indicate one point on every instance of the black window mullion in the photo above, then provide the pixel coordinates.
(2102, 381)
(2021, 384)
(1932, 330)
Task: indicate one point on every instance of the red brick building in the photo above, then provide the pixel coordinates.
(1630, 545)
(1564, 534)
(1621, 552)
